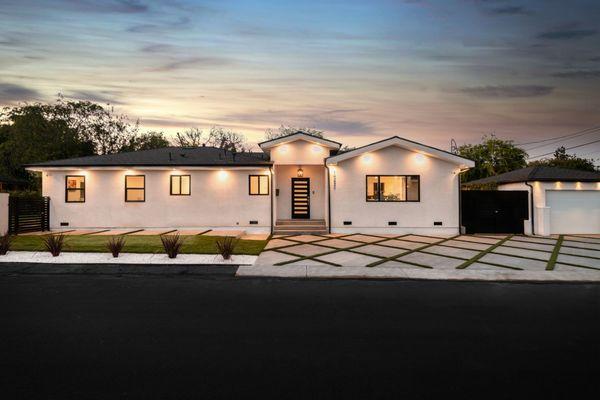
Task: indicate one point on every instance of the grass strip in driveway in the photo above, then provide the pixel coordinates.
(483, 253)
(395, 258)
(555, 252)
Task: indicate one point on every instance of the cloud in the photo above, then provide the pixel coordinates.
(568, 32)
(108, 6)
(157, 48)
(194, 61)
(508, 91)
(510, 10)
(583, 74)
(95, 97)
(10, 92)
(179, 23)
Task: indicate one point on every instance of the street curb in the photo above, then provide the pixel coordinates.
(121, 269)
(320, 272)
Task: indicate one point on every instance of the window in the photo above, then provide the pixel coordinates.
(393, 188)
(135, 188)
(75, 189)
(181, 185)
(258, 185)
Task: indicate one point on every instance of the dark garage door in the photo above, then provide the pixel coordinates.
(494, 211)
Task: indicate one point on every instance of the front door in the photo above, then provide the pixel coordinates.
(301, 198)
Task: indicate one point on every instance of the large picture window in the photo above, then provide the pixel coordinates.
(258, 185)
(135, 188)
(181, 185)
(75, 189)
(391, 188)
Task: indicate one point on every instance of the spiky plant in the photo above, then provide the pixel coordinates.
(226, 246)
(172, 244)
(115, 245)
(5, 242)
(54, 244)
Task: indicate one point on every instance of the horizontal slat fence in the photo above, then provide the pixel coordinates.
(28, 214)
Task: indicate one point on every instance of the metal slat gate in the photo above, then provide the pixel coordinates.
(494, 211)
(28, 214)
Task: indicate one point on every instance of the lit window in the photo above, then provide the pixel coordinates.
(181, 185)
(135, 188)
(392, 188)
(75, 189)
(258, 185)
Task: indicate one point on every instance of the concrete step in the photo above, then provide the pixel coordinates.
(285, 222)
(300, 232)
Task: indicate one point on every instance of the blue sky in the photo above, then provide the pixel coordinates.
(361, 70)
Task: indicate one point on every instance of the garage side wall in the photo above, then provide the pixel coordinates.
(218, 199)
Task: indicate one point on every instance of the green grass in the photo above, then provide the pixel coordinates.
(137, 244)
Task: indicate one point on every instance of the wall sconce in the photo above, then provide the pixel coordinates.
(222, 175)
(419, 158)
(300, 172)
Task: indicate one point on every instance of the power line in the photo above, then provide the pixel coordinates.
(559, 137)
(554, 141)
(567, 148)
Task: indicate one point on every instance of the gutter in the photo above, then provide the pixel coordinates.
(459, 205)
(328, 198)
(532, 207)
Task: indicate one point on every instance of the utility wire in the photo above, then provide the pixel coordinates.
(567, 148)
(562, 140)
(574, 134)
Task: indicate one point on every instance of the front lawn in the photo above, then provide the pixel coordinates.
(197, 244)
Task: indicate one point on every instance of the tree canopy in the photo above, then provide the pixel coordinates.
(222, 138)
(284, 130)
(492, 156)
(563, 160)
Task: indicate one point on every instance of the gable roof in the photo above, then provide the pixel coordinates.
(406, 144)
(166, 156)
(292, 137)
(540, 173)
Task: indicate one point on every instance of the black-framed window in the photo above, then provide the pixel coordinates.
(135, 188)
(181, 185)
(258, 185)
(393, 188)
(75, 189)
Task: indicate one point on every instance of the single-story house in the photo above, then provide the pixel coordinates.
(562, 200)
(297, 182)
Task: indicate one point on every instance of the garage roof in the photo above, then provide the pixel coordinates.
(540, 173)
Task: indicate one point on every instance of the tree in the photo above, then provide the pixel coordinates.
(146, 141)
(227, 140)
(563, 160)
(283, 130)
(492, 156)
(191, 137)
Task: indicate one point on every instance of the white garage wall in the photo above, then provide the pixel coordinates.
(438, 200)
(218, 199)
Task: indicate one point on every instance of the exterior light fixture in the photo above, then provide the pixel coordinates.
(300, 172)
(222, 175)
(419, 158)
(367, 158)
(316, 149)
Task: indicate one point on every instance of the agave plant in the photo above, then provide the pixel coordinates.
(172, 244)
(115, 245)
(54, 244)
(226, 246)
(5, 242)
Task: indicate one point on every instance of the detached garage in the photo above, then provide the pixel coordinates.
(564, 201)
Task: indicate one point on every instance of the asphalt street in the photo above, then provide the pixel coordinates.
(110, 337)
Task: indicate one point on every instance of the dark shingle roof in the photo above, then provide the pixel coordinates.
(166, 156)
(540, 173)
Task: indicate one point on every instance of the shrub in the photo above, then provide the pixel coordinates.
(115, 245)
(172, 244)
(226, 246)
(54, 244)
(5, 242)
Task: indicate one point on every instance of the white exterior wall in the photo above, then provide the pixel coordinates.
(541, 210)
(3, 213)
(299, 152)
(438, 197)
(318, 191)
(218, 199)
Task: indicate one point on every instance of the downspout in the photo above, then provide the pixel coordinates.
(532, 208)
(459, 205)
(328, 198)
(272, 185)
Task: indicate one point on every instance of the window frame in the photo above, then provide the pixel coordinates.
(171, 185)
(135, 188)
(378, 200)
(259, 193)
(80, 190)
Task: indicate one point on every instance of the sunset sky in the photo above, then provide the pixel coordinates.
(360, 70)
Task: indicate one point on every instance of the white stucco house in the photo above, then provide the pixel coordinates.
(298, 182)
(561, 201)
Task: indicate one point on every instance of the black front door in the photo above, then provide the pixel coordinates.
(301, 198)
